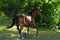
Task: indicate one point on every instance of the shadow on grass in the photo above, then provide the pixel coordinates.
(43, 35)
(14, 35)
(8, 35)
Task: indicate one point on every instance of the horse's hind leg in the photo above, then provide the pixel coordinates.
(21, 37)
(28, 31)
(19, 30)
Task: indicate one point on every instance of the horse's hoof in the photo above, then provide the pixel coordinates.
(21, 37)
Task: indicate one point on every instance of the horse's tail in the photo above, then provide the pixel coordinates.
(13, 22)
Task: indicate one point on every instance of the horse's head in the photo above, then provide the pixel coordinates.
(36, 12)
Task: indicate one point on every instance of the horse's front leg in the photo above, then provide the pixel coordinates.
(34, 25)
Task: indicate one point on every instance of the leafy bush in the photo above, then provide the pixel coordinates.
(51, 11)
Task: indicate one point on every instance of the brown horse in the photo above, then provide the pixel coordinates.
(26, 21)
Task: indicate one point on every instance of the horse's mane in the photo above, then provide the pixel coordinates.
(30, 13)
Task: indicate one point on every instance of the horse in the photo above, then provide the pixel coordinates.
(25, 20)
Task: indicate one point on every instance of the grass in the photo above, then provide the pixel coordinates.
(12, 34)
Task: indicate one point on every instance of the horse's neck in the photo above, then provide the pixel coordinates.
(33, 16)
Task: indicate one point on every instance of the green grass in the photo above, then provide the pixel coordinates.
(12, 34)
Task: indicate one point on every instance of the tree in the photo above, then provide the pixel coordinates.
(51, 10)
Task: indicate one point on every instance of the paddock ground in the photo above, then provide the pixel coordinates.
(12, 34)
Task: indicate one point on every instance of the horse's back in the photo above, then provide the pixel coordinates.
(24, 19)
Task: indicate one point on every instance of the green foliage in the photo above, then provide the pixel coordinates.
(51, 10)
